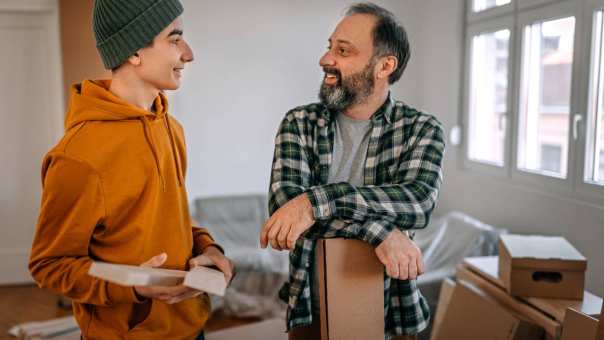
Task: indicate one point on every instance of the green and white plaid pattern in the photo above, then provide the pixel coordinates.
(402, 177)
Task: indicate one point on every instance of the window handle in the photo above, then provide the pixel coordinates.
(576, 120)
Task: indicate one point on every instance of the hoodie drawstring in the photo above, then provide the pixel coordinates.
(149, 137)
(174, 151)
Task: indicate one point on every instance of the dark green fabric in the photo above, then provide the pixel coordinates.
(122, 27)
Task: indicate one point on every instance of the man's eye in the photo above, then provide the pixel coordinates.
(343, 51)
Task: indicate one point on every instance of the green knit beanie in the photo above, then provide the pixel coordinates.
(122, 27)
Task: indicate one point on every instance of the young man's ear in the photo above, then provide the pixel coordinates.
(386, 66)
(135, 59)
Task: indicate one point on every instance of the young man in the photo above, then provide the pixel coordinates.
(356, 165)
(113, 187)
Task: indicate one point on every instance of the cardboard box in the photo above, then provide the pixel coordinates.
(541, 266)
(578, 326)
(473, 315)
(446, 291)
(351, 290)
(201, 278)
(487, 267)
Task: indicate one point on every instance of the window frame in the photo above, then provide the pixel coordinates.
(472, 31)
(587, 191)
(525, 18)
(574, 187)
(472, 16)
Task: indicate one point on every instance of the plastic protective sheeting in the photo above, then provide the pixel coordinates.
(235, 223)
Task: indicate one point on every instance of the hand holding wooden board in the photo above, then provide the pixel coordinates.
(201, 278)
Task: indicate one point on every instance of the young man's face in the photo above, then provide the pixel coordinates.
(348, 64)
(162, 62)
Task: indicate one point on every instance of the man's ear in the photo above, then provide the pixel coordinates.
(135, 59)
(386, 66)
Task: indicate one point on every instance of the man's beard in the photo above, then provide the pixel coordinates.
(347, 91)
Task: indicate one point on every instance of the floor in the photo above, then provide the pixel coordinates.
(29, 303)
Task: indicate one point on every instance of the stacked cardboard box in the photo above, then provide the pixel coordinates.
(536, 281)
(541, 266)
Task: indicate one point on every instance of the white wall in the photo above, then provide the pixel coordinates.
(523, 210)
(254, 61)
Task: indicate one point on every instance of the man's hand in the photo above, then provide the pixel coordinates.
(211, 256)
(401, 257)
(169, 295)
(287, 224)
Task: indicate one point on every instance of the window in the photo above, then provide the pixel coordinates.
(551, 158)
(488, 96)
(545, 88)
(482, 5)
(533, 96)
(595, 138)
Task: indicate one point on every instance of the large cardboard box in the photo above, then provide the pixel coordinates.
(472, 315)
(351, 290)
(578, 326)
(541, 266)
(446, 291)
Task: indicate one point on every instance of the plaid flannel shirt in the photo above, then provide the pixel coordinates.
(402, 176)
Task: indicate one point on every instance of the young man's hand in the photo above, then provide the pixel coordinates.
(287, 224)
(401, 257)
(211, 256)
(167, 294)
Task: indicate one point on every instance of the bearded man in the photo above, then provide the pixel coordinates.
(356, 165)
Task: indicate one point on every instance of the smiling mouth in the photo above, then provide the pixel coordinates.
(331, 78)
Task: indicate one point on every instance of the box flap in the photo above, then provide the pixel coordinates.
(469, 304)
(446, 290)
(544, 252)
(578, 326)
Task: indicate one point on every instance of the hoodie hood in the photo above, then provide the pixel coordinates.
(91, 101)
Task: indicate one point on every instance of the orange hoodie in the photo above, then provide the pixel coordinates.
(113, 191)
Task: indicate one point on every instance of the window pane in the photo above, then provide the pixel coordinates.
(547, 59)
(488, 96)
(595, 137)
(481, 5)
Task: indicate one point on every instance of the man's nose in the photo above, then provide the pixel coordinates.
(327, 60)
(187, 55)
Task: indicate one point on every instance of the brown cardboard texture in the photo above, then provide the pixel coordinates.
(351, 290)
(487, 267)
(446, 291)
(541, 266)
(473, 315)
(578, 326)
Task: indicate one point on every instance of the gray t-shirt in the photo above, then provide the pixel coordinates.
(347, 165)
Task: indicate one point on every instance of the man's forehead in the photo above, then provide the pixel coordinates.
(355, 29)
